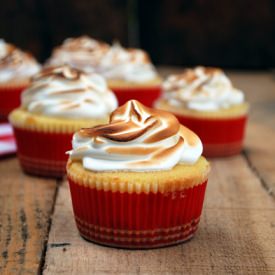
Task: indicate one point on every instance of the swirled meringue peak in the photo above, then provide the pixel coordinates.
(202, 89)
(83, 53)
(15, 64)
(137, 138)
(133, 65)
(66, 92)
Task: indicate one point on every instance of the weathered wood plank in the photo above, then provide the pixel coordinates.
(236, 234)
(259, 90)
(26, 205)
(259, 152)
(260, 141)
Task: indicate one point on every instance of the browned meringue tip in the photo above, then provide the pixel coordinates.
(64, 71)
(133, 120)
(15, 55)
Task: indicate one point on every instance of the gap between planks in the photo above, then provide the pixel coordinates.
(45, 244)
(26, 205)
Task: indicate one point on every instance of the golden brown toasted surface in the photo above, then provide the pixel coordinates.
(178, 178)
(131, 121)
(233, 111)
(24, 119)
(117, 83)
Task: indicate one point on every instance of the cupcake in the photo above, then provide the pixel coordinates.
(138, 181)
(16, 68)
(59, 101)
(205, 100)
(129, 72)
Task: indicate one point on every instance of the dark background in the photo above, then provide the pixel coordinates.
(227, 33)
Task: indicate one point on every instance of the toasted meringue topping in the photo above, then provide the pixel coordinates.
(113, 62)
(137, 138)
(15, 64)
(202, 89)
(67, 92)
(83, 53)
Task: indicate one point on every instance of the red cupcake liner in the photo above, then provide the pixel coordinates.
(42, 153)
(9, 100)
(146, 95)
(131, 220)
(220, 136)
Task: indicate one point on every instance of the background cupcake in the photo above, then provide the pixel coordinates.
(205, 100)
(129, 72)
(16, 68)
(59, 101)
(139, 181)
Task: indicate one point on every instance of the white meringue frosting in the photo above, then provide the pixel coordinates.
(131, 65)
(66, 92)
(137, 138)
(113, 62)
(202, 89)
(83, 53)
(15, 64)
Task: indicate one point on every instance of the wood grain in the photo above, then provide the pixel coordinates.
(260, 141)
(236, 234)
(26, 205)
(259, 151)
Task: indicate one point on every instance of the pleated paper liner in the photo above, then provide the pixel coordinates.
(221, 137)
(10, 99)
(134, 220)
(145, 95)
(42, 153)
(42, 142)
(136, 215)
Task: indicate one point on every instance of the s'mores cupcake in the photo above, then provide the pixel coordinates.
(205, 100)
(59, 101)
(138, 181)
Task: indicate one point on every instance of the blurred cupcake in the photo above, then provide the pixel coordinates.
(83, 53)
(130, 75)
(205, 100)
(129, 72)
(59, 101)
(139, 181)
(16, 68)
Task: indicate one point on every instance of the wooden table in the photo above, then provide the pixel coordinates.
(236, 233)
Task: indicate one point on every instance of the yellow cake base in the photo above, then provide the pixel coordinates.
(14, 83)
(231, 112)
(23, 119)
(178, 178)
(117, 83)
